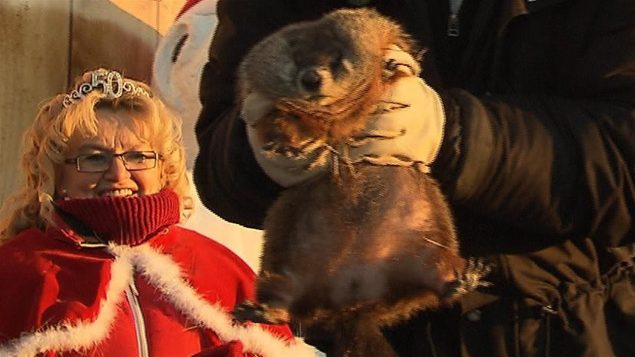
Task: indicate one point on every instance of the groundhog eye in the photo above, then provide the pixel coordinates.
(337, 62)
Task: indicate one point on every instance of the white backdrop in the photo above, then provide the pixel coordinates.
(177, 82)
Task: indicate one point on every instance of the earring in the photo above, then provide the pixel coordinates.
(63, 195)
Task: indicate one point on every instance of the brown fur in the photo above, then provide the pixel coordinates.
(357, 246)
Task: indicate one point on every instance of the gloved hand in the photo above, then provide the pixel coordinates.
(406, 129)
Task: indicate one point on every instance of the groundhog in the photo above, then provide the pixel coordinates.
(362, 246)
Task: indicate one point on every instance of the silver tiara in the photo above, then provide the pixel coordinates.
(111, 83)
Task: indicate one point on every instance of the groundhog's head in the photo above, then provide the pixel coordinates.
(323, 61)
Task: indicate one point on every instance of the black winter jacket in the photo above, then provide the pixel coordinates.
(538, 161)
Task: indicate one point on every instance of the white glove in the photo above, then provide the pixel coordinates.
(407, 129)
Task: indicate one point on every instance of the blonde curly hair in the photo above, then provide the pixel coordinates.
(45, 144)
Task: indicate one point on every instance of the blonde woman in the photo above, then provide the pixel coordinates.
(92, 260)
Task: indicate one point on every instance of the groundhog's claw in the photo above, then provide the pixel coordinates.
(260, 313)
(468, 279)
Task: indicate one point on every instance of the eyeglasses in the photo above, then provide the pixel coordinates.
(101, 161)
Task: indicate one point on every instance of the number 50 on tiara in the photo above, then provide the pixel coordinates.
(111, 84)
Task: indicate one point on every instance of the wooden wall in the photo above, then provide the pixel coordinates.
(47, 43)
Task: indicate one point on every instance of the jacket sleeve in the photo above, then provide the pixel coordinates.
(229, 181)
(560, 163)
(30, 286)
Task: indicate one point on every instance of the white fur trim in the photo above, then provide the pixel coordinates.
(164, 274)
(77, 336)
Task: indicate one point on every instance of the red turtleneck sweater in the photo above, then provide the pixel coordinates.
(144, 285)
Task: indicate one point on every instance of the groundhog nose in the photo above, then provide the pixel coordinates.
(311, 80)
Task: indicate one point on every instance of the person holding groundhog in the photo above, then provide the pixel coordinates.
(535, 155)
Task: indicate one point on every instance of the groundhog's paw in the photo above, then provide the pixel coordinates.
(273, 149)
(260, 313)
(468, 279)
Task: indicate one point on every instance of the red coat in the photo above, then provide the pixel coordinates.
(57, 296)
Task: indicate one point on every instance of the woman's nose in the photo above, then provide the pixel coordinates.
(117, 170)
